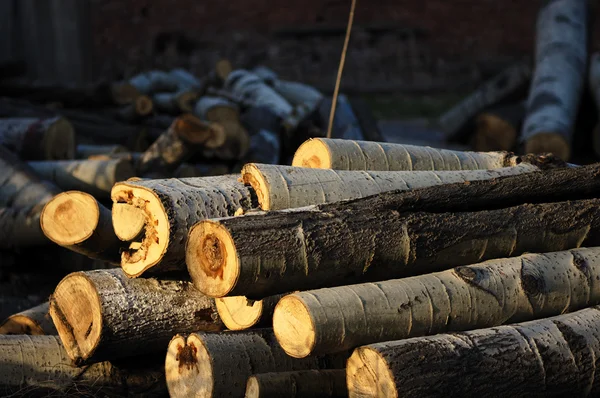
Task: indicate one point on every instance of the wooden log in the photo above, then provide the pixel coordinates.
(141, 107)
(297, 93)
(129, 222)
(38, 138)
(175, 103)
(95, 177)
(186, 135)
(507, 290)
(594, 85)
(552, 357)
(171, 207)
(76, 221)
(85, 151)
(323, 153)
(284, 187)
(103, 314)
(34, 321)
(155, 81)
(219, 364)
(561, 59)
(507, 85)
(39, 366)
(239, 313)
(247, 85)
(302, 383)
(20, 227)
(498, 128)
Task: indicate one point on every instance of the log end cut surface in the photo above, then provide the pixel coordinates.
(211, 259)
(188, 368)
(294, 327)
(314, 154)
(143, 105)
(128, 221)
(20, 324)
(76, 313)
(367, 375)
(549, 142)
(70, 217)
(239, 313)
(195, 131)
(251, 175)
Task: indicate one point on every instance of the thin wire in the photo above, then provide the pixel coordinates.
(341, 69)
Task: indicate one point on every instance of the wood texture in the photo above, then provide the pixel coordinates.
(239, 313)
(20, 227)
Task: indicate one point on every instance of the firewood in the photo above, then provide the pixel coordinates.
(129, 221)
(186, 135)
(561, 58)
(39, 366)
(38, 138)
(249, 86)
(498, 128)
(171, 207)
(85, 151)
(95, 177)
(142, 106)
(239, 313)
(76, 221)
(531, 286)
(219, 364)
(553, 357)
(154, 82)
(323, 153)
(34, 321)
(284, 187)
(175, 103)
(103, 314)
(301, 383)
(20, 227)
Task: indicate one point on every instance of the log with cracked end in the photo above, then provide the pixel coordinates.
(20, 227)
(219, 364)
(328, 153)
(39, 366)
(283, 187)
(103, 314)
(171, 207)
(34, 321)
(77, 221)
(488, 294)
(299, 384)
(239, 313)
(548, 357)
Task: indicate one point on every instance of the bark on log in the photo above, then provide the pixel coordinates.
(175, 103)
(34, 321)
(86, 151)
(509, 83)
(38, 138)
(302, 383)
(489, 294)
(315, 247)
(247, 85)
(219, 364)
(552, 357)
(298, 94)
(95, 177)
(497, 129)
(103, 314)
(239, 313)
(76, 221)
(285, 187)
(323, 153)
(20, 227)
(561, 59)
(186, 135)
(172, 207)
(39, 366)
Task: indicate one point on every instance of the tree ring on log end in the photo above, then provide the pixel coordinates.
(252, 176)
(239, 313)
(313, 154)
(368, 375)
(70, 218)
(19, 324)
(294, 326)
(188, 368)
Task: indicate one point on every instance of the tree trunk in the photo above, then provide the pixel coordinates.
(324, 153)
(505, 291)
(249, 86)
(175, 103)
(219, 364)
(511, 82)
(20, 227)
(76, 221)
(39, 366)
(34, 321)
(497, 129)
(239, 313)
(95, 177)
(552, 357)
(299, 384)
(38, 139)
(561, 59)
(171, 208)
(103, 314)
(86, 151)
(285, 187)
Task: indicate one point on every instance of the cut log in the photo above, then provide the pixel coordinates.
(561, 59)
(505, 291)
(552, 357)
(175, 103)
(142, 106)
(239, 313)
(285, 187)
(20, 227)
(310, 248)
(76, 221)
(34, 321)
(95, 177)
(323, 153)
(497, 129)
(171, 208)
(247, 85)
(129, 221)
(302, 383)
(103, 314)
(38, 139)
(154, 82)
(85, 151)
(39, 366)
(594, 84)
(219, 364)
(509, 84)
